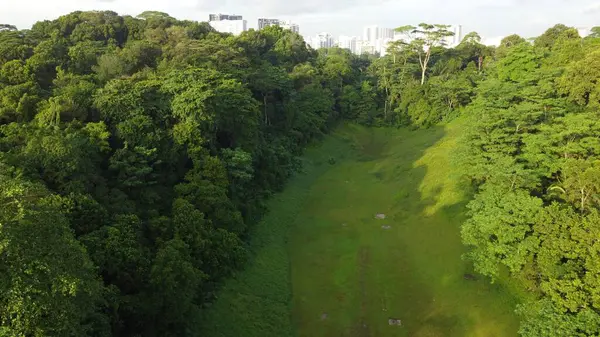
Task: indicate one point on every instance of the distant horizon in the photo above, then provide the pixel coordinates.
(495, 40)
(492, 19)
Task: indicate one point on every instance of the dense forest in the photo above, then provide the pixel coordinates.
(137, 153)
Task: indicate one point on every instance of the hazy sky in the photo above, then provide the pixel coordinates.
(491, 18)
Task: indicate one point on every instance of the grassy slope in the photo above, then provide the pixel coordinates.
(360, 275)
(257, 301)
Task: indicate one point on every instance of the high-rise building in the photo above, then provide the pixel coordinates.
(382, 45)
(228, 23)
(348, 42)
(453, 41)
(221, 17)
(322, 40)
(373, 33)
(376, 40)
(289, 25)
(366, 48)
(263, 23)
(368, 33)
(235, 27)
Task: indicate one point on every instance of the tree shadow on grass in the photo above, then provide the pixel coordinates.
(462, 303)
(413, 272)
(389, 285)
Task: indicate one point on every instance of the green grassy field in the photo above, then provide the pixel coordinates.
(257, 301)
(350, 274)
(324, 266)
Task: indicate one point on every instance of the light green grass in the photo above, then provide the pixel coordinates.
(307, 263)
(360, 275)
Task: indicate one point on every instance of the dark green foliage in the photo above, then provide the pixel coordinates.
(135, 156)
(543, 319)
(49, 285)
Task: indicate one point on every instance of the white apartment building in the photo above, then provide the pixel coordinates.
(348, 42)
(453, 41)
(235, 27)
(322, 40)
(377, 47)
(263, 23)
(381, 46)
(366, 48)
(376, 40)
(219, 17)
(372, 33)
(289, 25)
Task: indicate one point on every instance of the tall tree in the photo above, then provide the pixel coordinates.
(423, 40)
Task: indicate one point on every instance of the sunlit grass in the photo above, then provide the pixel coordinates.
(324, 266)
(345, 265)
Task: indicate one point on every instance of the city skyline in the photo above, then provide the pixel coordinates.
(375, 39)
(492, 19)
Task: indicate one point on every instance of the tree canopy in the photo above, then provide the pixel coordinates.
(135, 156)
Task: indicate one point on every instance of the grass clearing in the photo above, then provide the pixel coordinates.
(257, 301)
(325, 266)
(361, 275)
